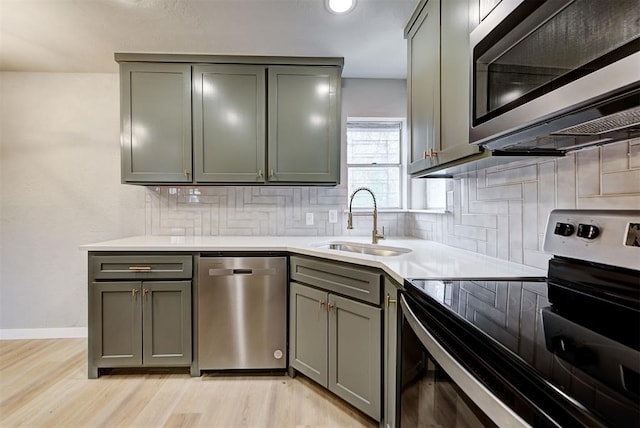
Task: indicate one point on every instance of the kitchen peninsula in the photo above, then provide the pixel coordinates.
(361, 287)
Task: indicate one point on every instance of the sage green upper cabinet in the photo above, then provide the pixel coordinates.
(304, 131)
(438, 85)
(155, 123)
(256, 120)
(229, 123)
(423, 85)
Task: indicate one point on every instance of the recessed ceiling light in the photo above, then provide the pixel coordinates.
(340, 6)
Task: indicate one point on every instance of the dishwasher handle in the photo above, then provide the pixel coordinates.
(241, 271)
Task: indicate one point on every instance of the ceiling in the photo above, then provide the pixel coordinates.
(82, 35)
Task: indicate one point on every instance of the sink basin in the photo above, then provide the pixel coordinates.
(370, 249)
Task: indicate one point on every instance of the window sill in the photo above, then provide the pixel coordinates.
(398, 210)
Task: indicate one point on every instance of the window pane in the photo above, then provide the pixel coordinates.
(373, 142)
(383, 181)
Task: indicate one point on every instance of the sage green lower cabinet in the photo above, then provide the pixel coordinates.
(136, 324)
(308, 330)
(390, 352)
(336, 342)
(116, 333)
(139, 315)
(354, 353)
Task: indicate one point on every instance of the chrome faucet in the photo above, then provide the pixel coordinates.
(375, 236)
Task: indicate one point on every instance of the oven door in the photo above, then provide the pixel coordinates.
(435, 389)
(539, 66)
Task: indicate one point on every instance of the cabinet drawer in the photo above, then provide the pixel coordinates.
(346, 280)
(141, 267)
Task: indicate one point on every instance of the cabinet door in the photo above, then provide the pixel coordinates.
(454, 82)
(166, 323)
(229, 123)
(308, 332)
(423, 86)
(304, 125)
(115, 325)
(390, 352)
(156, 122)
(354, 354)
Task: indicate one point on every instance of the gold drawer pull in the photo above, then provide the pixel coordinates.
(145, 268)
(389, 300)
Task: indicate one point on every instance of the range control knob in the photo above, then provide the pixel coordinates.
(564, 229)
(588, 231)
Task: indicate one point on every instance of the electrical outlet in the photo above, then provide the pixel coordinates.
(309, 219)
(333, 216)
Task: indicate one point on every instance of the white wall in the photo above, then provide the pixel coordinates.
(59, 187)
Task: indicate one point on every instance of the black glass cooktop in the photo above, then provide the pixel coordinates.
(592, 371)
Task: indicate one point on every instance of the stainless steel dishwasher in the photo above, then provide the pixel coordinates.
(242, 313)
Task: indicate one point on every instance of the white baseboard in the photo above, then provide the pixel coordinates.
(42, 333)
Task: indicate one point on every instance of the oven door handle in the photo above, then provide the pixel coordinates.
(491, 405)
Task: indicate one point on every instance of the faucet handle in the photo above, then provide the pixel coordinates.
(377, 235)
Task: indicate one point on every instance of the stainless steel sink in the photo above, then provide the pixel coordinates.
(356, 247)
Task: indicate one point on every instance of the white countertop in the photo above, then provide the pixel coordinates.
(426, 260)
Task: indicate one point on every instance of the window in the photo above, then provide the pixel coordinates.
(374, 160)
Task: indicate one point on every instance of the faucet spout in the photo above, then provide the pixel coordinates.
(375, 236)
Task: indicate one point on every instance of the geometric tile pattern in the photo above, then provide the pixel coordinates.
(502, 211)
(256, 210)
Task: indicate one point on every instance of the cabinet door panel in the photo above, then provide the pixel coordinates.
(308, 332)
(115, 324)
(304, 140)
(229, 123)
(156, 122)
(354, 354)
(167, 323)
(455, 82)
(390, 351)
(424, 85)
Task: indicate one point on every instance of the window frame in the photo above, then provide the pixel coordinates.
(404, 181)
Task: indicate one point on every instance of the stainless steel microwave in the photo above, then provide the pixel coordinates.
(555, 75)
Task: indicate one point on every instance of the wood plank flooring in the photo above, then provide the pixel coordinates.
(43, 383)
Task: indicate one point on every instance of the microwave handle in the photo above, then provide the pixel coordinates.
(477, 392)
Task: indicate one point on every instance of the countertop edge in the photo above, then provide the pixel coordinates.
(443, 261)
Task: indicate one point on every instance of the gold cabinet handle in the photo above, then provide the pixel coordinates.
(134, 292)
(186, 173)
(329, 307)
(271, 174)
(389, 300)
(145, 292)
(320, 304)
(260, 175)
(140, 268)
(429, 154)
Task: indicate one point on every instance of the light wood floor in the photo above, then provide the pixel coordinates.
(44, 383)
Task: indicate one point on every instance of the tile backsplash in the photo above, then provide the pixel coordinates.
(499, 211)
(256, 210)
(502, 211)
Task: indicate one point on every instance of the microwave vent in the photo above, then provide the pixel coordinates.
(614, 122)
